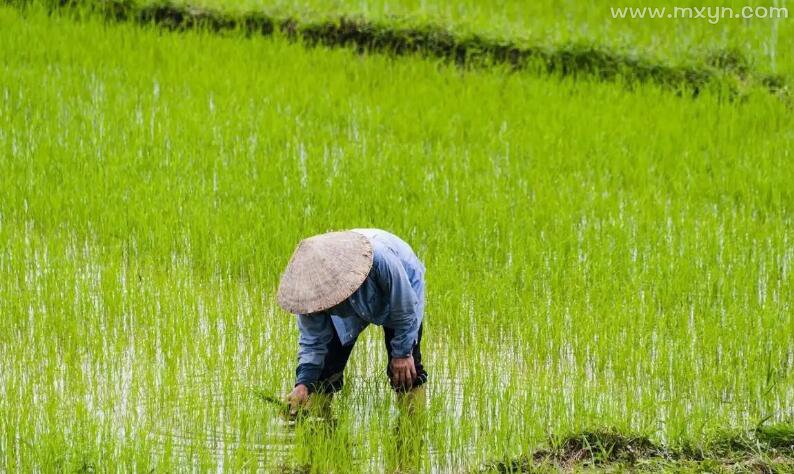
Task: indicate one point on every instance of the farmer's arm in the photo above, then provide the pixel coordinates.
(315, 333)
(393, 281)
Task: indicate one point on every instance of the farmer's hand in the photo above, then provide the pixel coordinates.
(403, 371)
(297, 398)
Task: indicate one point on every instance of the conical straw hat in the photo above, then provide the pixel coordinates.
(323, 271)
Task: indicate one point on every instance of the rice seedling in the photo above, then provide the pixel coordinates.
(765, 38)
(727, 70)
(597, 256)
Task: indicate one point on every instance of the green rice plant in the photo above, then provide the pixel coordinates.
(729, 70)
(767, 41)
(597, 255)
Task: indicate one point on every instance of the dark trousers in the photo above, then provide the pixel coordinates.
(332, 377)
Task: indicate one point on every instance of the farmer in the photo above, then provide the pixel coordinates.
(340, 282)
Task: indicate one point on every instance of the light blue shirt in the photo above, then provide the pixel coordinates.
(392, 295)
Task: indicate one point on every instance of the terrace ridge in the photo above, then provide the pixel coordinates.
(764, 449)
(726, 71)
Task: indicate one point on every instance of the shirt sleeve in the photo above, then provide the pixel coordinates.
(391, 278)
(315, 334)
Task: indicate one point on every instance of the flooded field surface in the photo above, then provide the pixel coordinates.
(609, 266)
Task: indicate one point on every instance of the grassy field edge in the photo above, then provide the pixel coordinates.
(767, 449)
(727, 71)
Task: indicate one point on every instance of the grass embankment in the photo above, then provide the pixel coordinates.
(724, 70)
(766, 41)
(765, 449)
(596, 257)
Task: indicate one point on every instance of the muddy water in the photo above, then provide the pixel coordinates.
(204, 426)
(218, 419)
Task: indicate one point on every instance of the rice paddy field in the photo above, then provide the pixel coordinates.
(600, 256)
(767, 43)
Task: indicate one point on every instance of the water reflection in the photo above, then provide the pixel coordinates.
(410, 427)
(207, 423)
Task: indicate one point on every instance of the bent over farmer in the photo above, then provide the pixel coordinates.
(337, 284)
